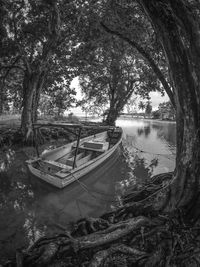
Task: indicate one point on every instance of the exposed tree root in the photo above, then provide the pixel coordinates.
(137, 234)
(105, 257)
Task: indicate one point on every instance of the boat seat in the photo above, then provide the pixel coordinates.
(64, 172)
(63, 159)
(55, 163)
(83, 160)
(69, 161)
(95, 146)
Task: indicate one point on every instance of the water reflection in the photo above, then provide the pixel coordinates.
(146, 130)
(15, 196)
(166, 132)
(151, 141)
(86, 197)
(142, 170)
(29, 208)
(6, 158)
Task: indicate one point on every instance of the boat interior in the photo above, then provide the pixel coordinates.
(62, 161)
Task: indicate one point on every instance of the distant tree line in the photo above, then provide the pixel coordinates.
(165, 111)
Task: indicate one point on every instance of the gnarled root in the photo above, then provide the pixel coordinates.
(123, 237)
(107, 257)
(47, 250)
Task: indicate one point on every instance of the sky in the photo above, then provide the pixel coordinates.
(156, 98)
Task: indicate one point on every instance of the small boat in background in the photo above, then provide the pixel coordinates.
(64, 165)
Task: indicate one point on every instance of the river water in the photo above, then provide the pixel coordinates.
(29, 208)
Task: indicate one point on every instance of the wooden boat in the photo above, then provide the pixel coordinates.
(64, 165)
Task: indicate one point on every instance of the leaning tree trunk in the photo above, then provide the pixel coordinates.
(29, 88)
(179, 33)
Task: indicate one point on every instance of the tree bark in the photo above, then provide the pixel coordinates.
(1, 97)
(29, 88)
(179, 33)
(36, 98)
(111, 117)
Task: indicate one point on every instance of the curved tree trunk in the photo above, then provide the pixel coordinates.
(185, 189)
(179, 33)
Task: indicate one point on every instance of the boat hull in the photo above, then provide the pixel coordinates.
(76, 173)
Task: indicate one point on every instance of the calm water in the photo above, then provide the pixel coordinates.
(29, 208)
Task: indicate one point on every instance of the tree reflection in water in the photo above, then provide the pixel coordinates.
(16, 197)
(166, 132)
(146, 130)
(141, 169)
(28, 212)
(6, 158)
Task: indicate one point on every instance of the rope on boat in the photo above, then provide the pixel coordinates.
(86, 189)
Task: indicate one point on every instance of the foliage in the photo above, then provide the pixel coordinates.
(148, 108)
(131, 105)
(57, 100)
(156, 114)
(112, 72)
(166, 110)
(37, 44)
(141, 105)
(127, 21)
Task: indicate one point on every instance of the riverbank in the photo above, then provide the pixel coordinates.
(10, 130)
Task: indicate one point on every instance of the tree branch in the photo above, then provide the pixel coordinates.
(10, 67)
(148, 58)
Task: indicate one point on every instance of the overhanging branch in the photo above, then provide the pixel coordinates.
(148, 58)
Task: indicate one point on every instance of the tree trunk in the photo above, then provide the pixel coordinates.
(111, 117)
(113, 113)
(179, 33)
(36, 98)
(1, 97)
(29, 88)
(185, 189)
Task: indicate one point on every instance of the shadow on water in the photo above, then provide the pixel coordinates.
(30, 208)
(15, 196)
(85, 197)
